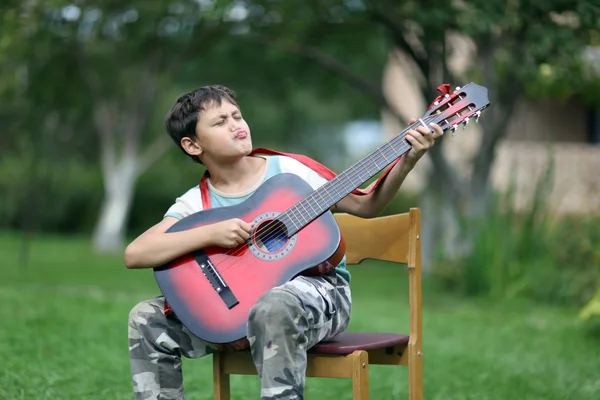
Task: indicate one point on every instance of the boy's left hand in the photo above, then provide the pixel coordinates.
(421, 139)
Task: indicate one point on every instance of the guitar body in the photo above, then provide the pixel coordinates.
(212, 290)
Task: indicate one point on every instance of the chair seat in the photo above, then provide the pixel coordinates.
(348, 342)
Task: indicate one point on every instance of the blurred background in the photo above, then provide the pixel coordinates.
(510, 207)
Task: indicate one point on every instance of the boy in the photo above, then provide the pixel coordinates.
(208, 126)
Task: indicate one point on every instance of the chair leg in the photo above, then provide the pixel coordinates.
(360, 375)
(415, 373)
(220, 379)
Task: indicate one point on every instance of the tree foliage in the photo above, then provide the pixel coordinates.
(88, 83)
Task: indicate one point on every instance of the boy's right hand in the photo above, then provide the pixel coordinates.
(231, 233)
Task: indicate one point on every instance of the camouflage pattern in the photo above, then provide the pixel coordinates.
(282, 326)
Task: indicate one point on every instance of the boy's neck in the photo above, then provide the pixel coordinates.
(236, 175)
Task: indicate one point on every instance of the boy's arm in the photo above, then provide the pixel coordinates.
(154, 247)
(371, 205)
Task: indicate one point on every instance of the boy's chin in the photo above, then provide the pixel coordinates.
(246, 151)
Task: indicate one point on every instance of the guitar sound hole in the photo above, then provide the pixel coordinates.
(271, 236)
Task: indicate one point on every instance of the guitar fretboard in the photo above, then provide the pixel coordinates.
(322, 199)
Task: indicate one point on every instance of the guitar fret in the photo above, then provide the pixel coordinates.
(337, 194)
(323, 204)
(296, 215)
(383, 155)
(319, 193)
(308, 208)
(300, 212)
(388, 147)
(284, 218)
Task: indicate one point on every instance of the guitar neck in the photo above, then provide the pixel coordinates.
(326, 196)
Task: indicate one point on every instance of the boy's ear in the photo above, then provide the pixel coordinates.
(191, 147)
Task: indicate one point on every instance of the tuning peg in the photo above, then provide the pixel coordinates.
(457, 88)
(477, 115)
(453, 129)
(465, 122)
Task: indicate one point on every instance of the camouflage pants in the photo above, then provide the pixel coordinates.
(285, 322)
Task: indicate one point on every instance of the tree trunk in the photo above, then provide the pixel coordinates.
(429, 203)
(120, 126)
(440, 222)
(109, 234)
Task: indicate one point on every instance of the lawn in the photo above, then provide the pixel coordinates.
(64, 336)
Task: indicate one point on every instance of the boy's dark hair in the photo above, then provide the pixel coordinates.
(183, 117)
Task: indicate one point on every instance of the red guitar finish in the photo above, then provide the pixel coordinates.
(212, 290)
(242, 275)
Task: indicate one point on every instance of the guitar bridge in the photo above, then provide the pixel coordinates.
(216, 280)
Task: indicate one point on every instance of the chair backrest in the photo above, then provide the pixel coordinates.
(389, 238)
(394, 238)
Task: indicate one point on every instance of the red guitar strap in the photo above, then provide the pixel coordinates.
(312, 164)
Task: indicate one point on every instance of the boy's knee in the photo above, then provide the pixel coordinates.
(145, 313)
(275, 308)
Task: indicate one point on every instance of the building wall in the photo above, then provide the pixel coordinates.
(523, 155)
(550, 120)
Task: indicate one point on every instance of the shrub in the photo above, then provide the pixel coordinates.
(531, 253)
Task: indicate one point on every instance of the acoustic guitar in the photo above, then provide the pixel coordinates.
(212, 290)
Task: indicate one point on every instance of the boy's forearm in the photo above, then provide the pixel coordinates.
(156, 249)
(375, 203)
(421, 139)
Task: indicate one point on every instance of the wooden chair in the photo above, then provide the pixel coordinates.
(393, 238)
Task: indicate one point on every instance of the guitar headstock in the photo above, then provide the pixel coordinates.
(459, 107)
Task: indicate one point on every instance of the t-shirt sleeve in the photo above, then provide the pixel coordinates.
(187, 204)
(291, 165)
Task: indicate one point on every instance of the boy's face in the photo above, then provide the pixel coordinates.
(222, 132)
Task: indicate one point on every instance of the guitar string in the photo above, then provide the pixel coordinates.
(267, 231)
(429, 119)
(342, 176)
(271, 226)
(270, 232)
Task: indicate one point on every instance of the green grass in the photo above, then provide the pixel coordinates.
(64, 335)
